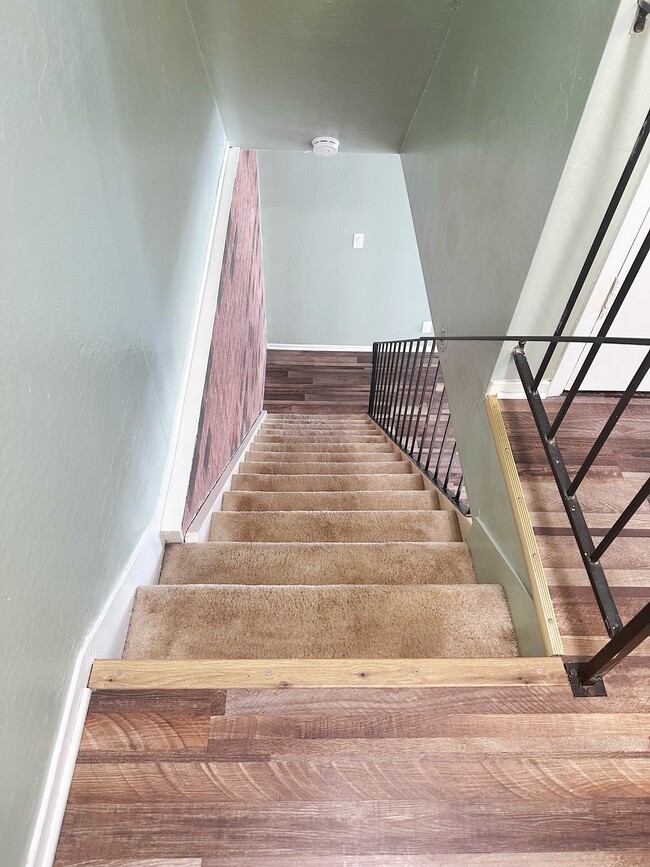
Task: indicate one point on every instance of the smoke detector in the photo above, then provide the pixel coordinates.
(325, 146)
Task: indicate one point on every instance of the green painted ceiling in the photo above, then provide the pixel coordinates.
(284, 71)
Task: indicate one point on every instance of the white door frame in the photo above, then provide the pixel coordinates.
(625, 246)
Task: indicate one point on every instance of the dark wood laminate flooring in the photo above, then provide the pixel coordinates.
(317, 382)
(511, 776)
(617, 474)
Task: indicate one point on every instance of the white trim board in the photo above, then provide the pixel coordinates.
(106, 639)
(318, 347)
(512, 389)
(199, 529)
(196, 361)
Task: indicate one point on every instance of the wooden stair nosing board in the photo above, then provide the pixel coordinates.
(539, 588)
(152, 674)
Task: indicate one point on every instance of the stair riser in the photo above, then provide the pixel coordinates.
(322, 457)
(324, 468)
(317, 447)
(335, 527)
(370, 482)
(329, 501)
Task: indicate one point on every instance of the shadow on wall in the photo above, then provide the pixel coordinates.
(234, 385)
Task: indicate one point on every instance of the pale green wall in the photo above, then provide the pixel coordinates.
(110, 148)
(319, 290)
(482, 161)
(615, 110)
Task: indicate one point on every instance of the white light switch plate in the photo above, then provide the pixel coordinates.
(357, 242)
(427, 328)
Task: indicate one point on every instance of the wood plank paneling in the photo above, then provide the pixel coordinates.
(305, 381)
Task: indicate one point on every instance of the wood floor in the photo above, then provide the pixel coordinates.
(617, 475)
(512, 776)
(317, 382)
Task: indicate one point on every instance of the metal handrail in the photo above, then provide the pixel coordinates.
(393, 380)
(407, 378)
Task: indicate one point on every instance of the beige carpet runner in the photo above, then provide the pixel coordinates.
(328, 545)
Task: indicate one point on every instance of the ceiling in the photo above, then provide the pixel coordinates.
(284, 71)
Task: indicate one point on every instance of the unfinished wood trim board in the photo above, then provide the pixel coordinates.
(538, 584)
(134, 674)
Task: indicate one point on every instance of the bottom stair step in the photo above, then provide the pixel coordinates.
(328, 621)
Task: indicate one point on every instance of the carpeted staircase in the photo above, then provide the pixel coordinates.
(327, 546)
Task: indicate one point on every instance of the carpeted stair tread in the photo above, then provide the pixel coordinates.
(324, 468)
(321, 457)
(333, 482)
(325, 622)
(381, 447)
(421, 526)
(317, 437)
(327, 416)
(270, 501)
(318, 563)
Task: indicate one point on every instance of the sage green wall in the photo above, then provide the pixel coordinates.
(482, 162)
(319, 290)
(111, 145)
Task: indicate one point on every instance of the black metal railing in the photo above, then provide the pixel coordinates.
(586, 677)
(409, 403)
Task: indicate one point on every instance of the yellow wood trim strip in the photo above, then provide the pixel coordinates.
(281, 673)
(539, 587)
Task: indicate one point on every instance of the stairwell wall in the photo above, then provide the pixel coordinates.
(111, 144)
(482, 161)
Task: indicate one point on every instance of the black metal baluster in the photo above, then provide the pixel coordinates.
(426, 421)
(406, 393)
(603, 436)
(392, 365)
(415, 398)
(615, 531)
(395, 394)
(597, 243)
(604, 329)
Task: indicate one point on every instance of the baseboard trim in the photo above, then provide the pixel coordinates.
(318, 347)
(199, 529)
(196, 361)
(530, 550)
(157, 674)
(512, 389)
(106, 638)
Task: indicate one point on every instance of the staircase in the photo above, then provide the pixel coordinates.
(328, 546)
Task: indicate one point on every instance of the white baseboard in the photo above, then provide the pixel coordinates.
(196, 361)
(199, 529)
(106, 639)
(318, 347)
(512, 389)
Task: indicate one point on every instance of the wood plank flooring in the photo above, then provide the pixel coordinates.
(317, 382)
(362, 776)
(618, 473)
(510, 776)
